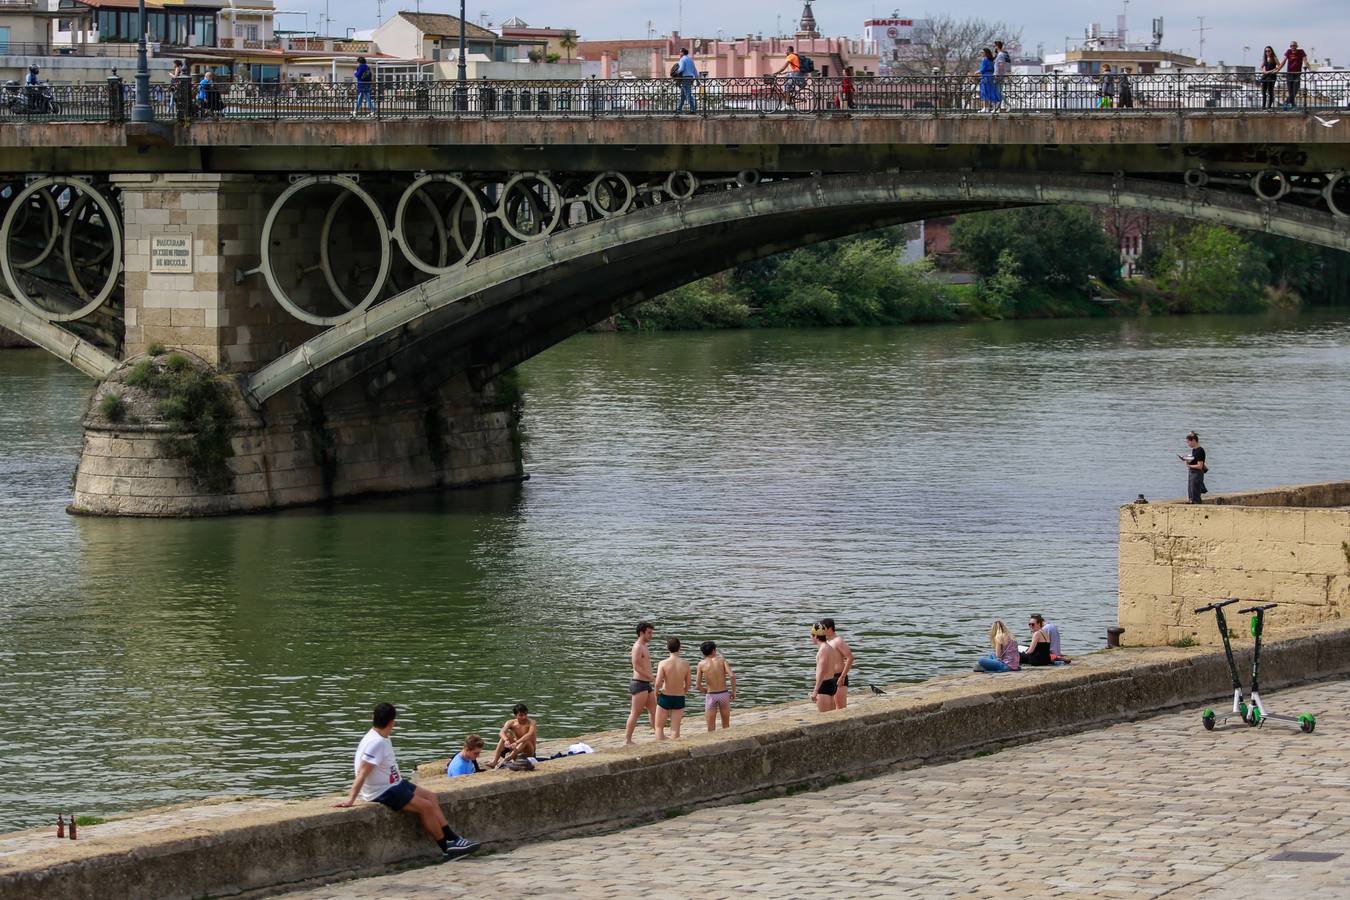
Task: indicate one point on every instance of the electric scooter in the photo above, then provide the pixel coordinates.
(1208, 718)
(1256, 712)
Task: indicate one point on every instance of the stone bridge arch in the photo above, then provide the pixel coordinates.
(517, 303)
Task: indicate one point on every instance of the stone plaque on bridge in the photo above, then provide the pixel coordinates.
(171, 254)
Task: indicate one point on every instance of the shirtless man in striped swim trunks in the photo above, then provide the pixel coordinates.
(714, 673)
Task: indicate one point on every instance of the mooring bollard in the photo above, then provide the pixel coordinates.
(1113, 636)
(72, 826)
(60, 826)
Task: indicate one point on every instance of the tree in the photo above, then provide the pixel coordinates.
(568, 42)
(954, 44)
(1210, 268)
(1052, 246)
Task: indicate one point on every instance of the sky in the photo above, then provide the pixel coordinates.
(1320, 25)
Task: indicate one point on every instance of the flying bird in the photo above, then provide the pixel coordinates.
(1326, 123)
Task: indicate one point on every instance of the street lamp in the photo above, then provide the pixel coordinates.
(141, 110)
(463, 71)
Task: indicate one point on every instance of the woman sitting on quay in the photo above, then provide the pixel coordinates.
(1005, 657)
(1038, 651)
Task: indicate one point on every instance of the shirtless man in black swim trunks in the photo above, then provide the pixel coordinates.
(640, 687)
(828, 661)
(841, 645)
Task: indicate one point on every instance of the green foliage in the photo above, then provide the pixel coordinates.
(155, 349)
(142, 375)
(197, 408)
(699, 305)
(113, 408)
(1210, 268)
(1000, 291)
(84, 821)
(1186, 641)
(1053, 246)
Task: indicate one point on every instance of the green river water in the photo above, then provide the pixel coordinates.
(915, 483)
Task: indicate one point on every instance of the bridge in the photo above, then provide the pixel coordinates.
(352, 291)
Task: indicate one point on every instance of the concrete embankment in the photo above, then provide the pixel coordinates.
(246, 845)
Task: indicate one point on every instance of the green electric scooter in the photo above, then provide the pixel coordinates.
(1253, 713)
(1256, 710)
(1208, 717)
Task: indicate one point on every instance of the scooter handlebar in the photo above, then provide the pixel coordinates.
(1221, 603)
(1252, 609)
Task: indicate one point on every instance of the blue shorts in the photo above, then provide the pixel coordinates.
(397, 795)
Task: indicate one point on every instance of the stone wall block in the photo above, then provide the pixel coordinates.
(1145, 579)
(1143, 518)
(1311, 590)
(1327, 526)
(1208, 585)
(1200, 521)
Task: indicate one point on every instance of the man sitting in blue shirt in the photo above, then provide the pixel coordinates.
(686, 73)
(466, 760)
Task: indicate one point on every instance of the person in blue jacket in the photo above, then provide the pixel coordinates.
(365, 77)
(686, 72)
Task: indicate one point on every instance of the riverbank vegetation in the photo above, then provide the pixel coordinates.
(1037, 262)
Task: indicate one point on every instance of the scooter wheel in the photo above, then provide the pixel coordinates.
(1253, 717)
(54, 107)
(1307, 723)
(1207, 720)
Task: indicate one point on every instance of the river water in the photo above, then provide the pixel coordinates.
(915, 483)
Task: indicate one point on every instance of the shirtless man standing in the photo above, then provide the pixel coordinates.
(713, 674)
(828, 661)
(672, 686)
(840, 645)
(518, 737)
(640, 686)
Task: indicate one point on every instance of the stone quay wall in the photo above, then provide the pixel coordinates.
(1287, 545)
(240, 845)
(293, 453)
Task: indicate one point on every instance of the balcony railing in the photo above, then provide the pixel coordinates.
(899, 97)
(47, 48)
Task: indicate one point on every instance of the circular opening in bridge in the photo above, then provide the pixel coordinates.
(681, 184)
(325, 249)
(1336, 193)
(1196, 178)
(439, 224)
(61, 248)
(1270, 184)
(530, 206)
(747, 177)
(611, 194)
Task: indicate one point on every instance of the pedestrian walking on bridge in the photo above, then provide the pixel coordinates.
(685, 71)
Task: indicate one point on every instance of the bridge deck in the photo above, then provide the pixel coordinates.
(1132, 141)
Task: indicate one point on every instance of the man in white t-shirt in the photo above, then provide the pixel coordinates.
(378, 780)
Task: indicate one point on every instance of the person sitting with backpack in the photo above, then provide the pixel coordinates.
(801, 66)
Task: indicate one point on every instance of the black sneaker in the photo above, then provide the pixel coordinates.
(461, 847)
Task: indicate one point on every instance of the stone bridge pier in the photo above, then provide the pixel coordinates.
(195, 314)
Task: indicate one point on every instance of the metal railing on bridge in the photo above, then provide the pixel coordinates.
(187, 100)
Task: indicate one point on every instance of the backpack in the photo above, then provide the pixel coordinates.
(675, 71)
(808, 65)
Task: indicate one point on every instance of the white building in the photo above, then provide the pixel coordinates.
(897, 40)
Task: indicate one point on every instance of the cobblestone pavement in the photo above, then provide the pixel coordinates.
(1152, 808)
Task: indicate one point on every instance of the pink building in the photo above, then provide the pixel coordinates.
(748, 57)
